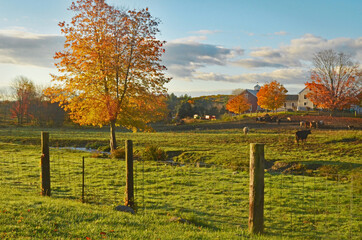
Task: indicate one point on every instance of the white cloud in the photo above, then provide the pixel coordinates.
(301, 50)
(183, 59)
(255, 63)
(281, 33)
(190, 39)
(201, 36)
(284, 76)
(291, 62)
(24, 48)
(19, 32)
(205, 32)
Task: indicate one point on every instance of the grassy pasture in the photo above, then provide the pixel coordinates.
(213, 200)
(338, 148)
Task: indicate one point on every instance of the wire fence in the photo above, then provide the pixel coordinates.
(213, 196)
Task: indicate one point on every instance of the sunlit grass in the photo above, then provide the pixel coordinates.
(213, 199)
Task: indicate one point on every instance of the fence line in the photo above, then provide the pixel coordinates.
(295, 205)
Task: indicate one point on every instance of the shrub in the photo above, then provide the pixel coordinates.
(154, 153)
(119, 153)
(106, 148)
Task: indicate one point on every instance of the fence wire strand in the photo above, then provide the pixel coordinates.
(299, 206)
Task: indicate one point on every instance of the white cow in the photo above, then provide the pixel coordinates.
(245, 130)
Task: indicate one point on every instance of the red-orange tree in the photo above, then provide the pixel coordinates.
(335, 81)
(238, 104)
(24, 94)
(110, 68)
(271, 95)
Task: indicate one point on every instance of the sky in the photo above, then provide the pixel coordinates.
(213, 46)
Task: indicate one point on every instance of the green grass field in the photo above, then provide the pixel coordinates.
(322, 201)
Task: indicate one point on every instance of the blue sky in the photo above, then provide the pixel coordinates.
(213, 46)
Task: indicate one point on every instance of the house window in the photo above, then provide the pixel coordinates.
(305, 104)
(285, 104)
(305, 96)
(292, 104)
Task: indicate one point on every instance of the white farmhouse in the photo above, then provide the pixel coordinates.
(303, 102)
(291, 103)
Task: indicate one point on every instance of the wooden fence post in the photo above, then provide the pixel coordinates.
(129, 198)
(45, 165)
(83, 172)
(256, 191)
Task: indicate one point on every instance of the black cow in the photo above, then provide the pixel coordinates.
(302, 135)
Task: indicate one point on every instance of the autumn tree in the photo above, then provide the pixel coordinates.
(335, 81)
(110, 68)
(271, 95)
(238, 104)
(24, 94)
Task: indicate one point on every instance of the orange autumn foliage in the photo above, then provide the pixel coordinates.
(238, 104)
(110, 70)
(335, 81)
(271, 95)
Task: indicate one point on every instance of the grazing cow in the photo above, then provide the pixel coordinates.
(302, 135)
(307, 124)
(245, 130)
(266, 118)
(301, 124)
(320, 124)
(274, 119)
(350, 127)
(313, 124)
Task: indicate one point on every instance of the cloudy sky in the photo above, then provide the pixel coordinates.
(213, 46)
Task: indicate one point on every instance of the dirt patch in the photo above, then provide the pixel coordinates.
(332, 122)
(285, 167)
(202, 125)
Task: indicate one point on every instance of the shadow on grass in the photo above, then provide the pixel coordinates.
(343, 140)
(197, 217)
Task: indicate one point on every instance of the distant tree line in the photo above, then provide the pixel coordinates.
(186, 107)
(26, 104)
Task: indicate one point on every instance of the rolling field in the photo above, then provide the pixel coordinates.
(311, 191)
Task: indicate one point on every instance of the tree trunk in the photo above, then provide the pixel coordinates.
(113, 143)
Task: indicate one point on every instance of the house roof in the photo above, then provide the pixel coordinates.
(302, 90)
(291, 97)
(253, 92)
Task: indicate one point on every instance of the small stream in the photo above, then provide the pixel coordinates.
(83, 149)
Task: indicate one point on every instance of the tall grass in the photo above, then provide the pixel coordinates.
(213, 200)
